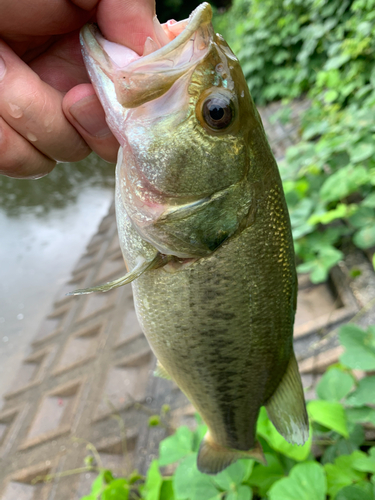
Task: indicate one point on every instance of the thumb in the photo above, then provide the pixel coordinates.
(84, 111)
(128, 22)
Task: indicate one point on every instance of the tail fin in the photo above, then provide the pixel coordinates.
(213, 458)
(286, 408)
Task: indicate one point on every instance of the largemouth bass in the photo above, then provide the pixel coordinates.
(204, 230)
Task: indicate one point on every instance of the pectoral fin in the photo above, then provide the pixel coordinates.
(286, 408)
(213, 458)
(161, 372)
(142, 266)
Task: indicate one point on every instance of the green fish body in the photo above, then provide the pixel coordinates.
(205, 233)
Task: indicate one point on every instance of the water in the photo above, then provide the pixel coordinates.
(45, 226)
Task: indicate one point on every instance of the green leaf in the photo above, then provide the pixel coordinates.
(305, 482)
(340, 212)
(233, 475)
(117, 490)
(344, 181)
(98, 485)
(365, 237)
(263, 477)
(361, 415)
(185, 476)
(175, 447)
(266, 429)
(153, 483)
(369, 201)
(242, 493)
(360, 347)
(108, 476)
(361, 151)
(336, 61)
(330, 414)
(360, 491)
(166, 491)
(343, 446)
(365, 463)
(321, 265)
(342, 473)
(364, 393)
(189, 483)
(334, 385)
(203, 488)
(363, 217)
(154, 421)
(331, 95)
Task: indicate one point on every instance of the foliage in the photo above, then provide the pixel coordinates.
(325, 48)
(343, 467)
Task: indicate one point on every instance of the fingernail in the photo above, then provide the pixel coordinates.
(90, 115)
(3, 68)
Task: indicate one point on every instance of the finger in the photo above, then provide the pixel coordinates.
(128, 22)
(18, 158)
(61, 65)
(22, 18)
(84, 111)
(34, 110)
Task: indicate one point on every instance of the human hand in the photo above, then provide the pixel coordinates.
(48, 109)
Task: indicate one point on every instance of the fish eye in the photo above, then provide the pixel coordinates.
(218, 112)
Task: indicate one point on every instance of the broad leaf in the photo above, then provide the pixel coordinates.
(263, 477)
(334, 385)
(364, 393)
(361, 415)
(306, 482)
(166, 490)
(153, 483)
(344, 181)
(330, 414)
(175, 447)
(360, 491)
(233, 475)
(365, 237)
(360, 347)
(242, 493)
(119, 490)
(342, 473)
(361, 151)
(189, 483)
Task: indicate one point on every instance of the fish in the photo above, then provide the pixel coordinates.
(204, 230)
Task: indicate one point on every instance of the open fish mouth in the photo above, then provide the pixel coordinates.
(177, 47)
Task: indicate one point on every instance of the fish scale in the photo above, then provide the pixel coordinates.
(232, 358)
(205, 233)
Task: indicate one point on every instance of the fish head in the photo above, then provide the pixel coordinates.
(184, 119)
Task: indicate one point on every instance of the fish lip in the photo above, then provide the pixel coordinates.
(90, 36)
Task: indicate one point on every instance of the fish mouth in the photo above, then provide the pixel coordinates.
(178, 47)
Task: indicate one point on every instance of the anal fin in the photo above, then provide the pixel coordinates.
(286, 408)
(213, 458)
(161, 372)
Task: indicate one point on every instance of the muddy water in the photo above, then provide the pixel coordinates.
(45, 226)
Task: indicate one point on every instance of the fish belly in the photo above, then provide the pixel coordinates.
(222, 327)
